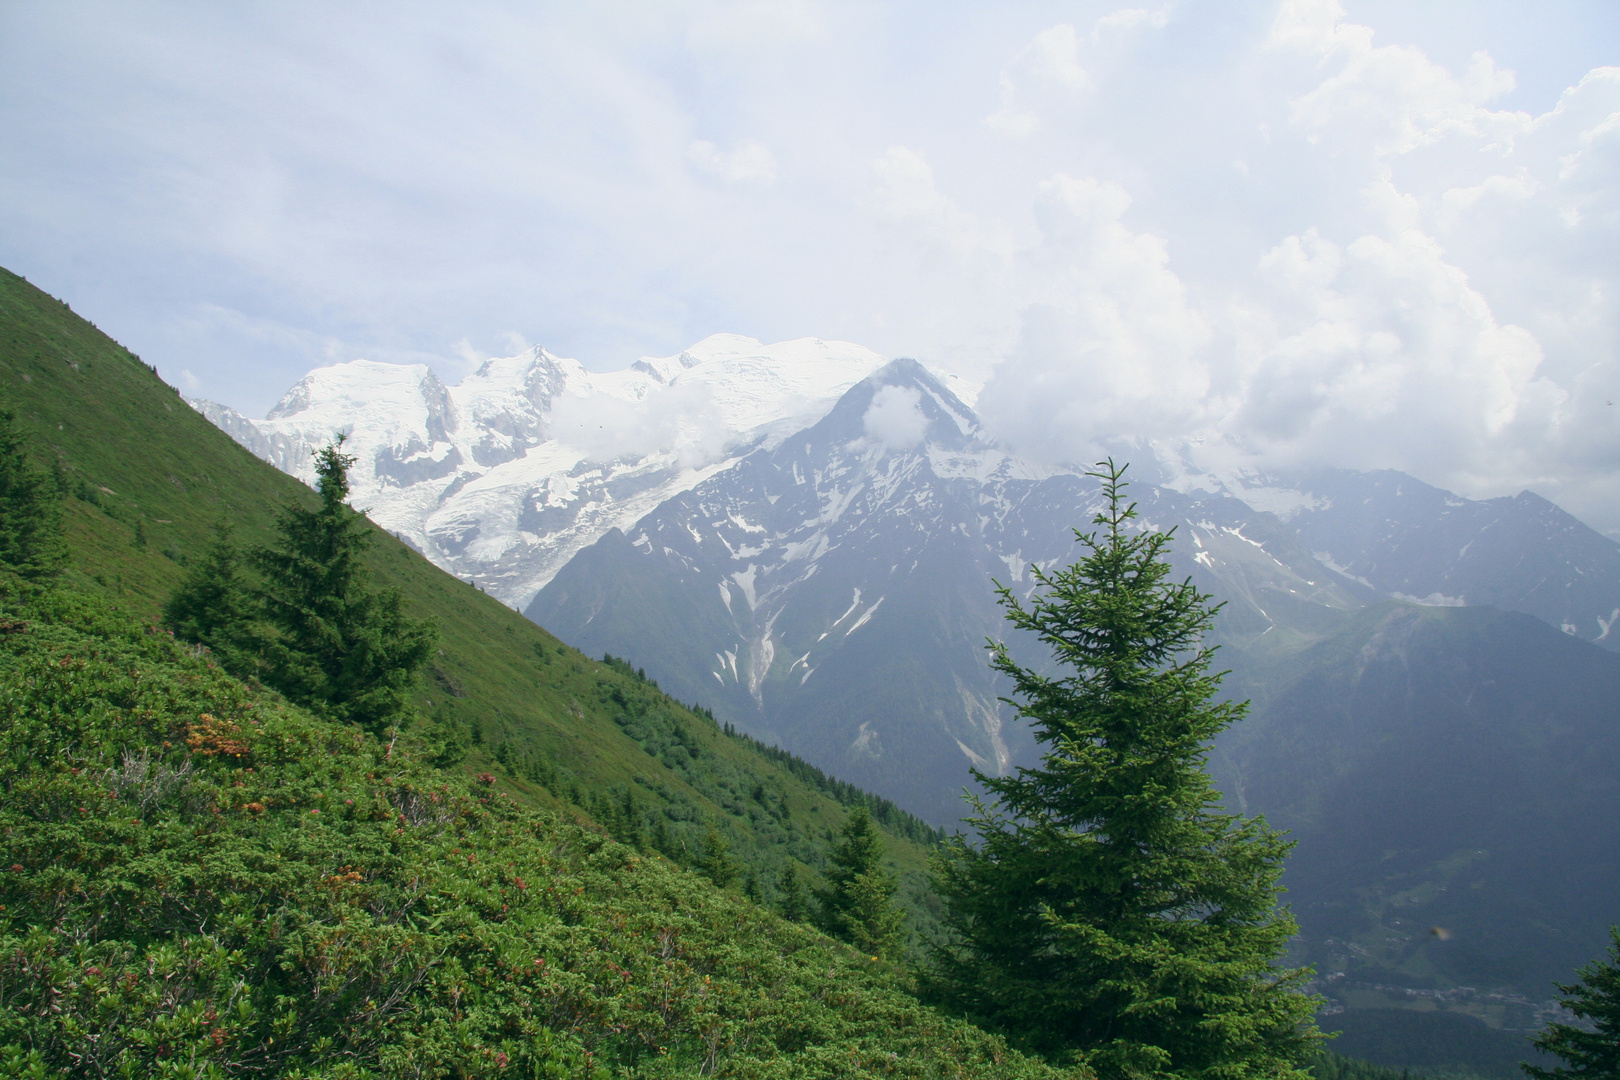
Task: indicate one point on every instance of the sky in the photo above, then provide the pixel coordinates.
(1265, 235)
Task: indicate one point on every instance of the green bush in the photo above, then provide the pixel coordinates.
(206, 882)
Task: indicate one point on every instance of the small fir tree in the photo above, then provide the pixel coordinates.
(212, 605)
(857, 905)
(716, 863)
(338, 646)
(1595, 997)
(1108, 912)
(790, 896)
(31, 541)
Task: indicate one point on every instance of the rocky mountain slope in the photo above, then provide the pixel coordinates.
(835, 593)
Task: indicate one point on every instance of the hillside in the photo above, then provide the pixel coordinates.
(204, 882)
(148, 476)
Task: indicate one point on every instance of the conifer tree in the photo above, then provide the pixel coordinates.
(857, 905)
(1108, 912)
(212, 606)
(790, 898)
(716, 862)
(31, 541)
(1590, 1052)
(338, 646)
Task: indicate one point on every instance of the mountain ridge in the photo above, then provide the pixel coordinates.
(506, 499)
(503, 476)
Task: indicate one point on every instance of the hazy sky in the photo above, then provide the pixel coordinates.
(1278, 234)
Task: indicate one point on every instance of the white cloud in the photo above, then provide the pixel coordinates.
(1394, 97)
(750, 161)
(680, 419)
(1270, 231)
(905, 192)
(1047, 78)
(1049, 64)
(1111, 347)
(895, 419)
(1382, 355)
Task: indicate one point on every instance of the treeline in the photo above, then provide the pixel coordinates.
(891, 817)
(1331, 1066)
(898, 821)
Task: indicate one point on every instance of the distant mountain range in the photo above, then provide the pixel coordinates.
(503, 477)
(805, 536)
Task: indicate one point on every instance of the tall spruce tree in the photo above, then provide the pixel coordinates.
(857, 904)
(1592, 1051)
(1107, 911)
(338, 646)
(31, 541)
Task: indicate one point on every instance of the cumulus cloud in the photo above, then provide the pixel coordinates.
(906, 193)
(1383, 355)
(1393, 96)
(1268, 236)
(1374, 339)
(1048, 78)
(1113, 347)
(750, 161)
(895, 420)
(1050, 64)
(679, 420)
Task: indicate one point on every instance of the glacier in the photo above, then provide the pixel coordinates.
(505, 476)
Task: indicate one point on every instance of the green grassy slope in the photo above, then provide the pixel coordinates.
(549, 722)
(201, 882)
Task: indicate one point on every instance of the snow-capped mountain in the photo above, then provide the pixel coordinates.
(835, 593)
(503, 477)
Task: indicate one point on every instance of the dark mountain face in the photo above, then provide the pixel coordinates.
(1403, 537)
(1452, 777)
(834, 595)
